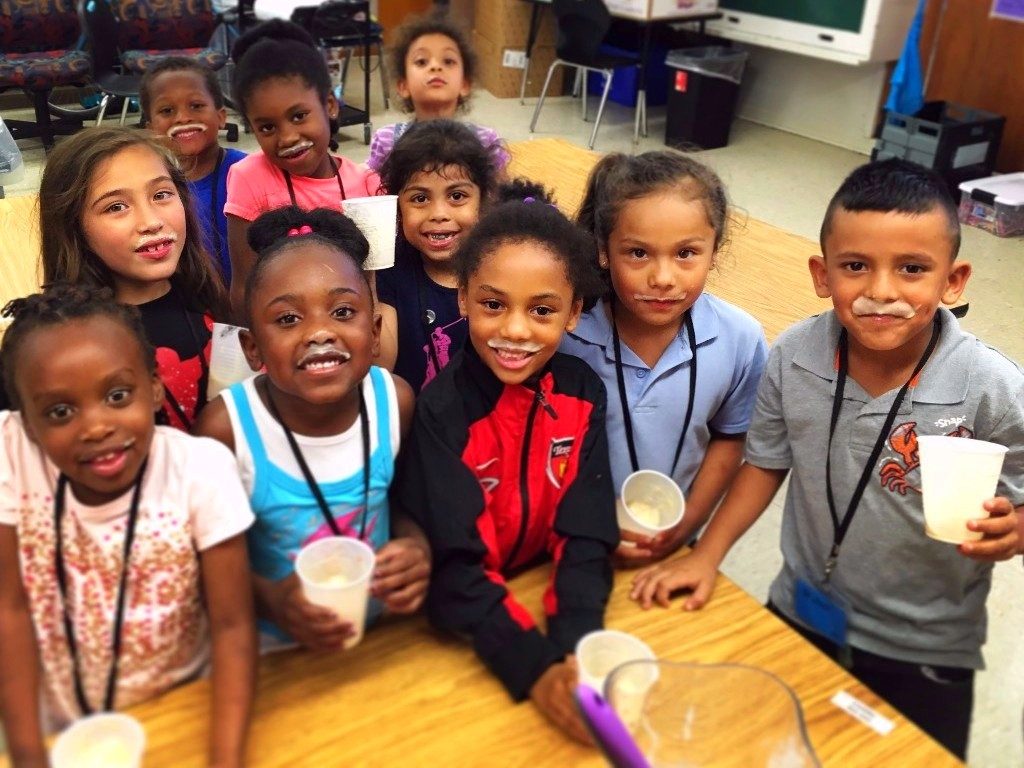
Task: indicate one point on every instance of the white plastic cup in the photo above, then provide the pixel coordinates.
(335, 573)
(600, 652)
(649, 502)
(104, 740)
(958, 474)
(377, 219)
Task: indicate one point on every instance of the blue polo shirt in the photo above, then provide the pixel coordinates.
(731, 354)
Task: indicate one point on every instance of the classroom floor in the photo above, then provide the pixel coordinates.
(787, 180)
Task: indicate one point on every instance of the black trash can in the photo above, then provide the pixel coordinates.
(702, 91)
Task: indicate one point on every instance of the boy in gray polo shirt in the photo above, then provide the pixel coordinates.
(860, 578)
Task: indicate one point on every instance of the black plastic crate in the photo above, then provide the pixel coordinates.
(958, 142)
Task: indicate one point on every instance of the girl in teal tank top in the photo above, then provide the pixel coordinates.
(316, 434)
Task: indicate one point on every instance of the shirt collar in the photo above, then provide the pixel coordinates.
(944, 380)
(595, 327)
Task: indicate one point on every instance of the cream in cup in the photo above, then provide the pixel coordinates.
(599, 652)
(649, 502)
(103, 740)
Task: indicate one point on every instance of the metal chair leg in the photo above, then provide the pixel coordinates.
(637, 112)
(344, 68)
(522, 83)
(103, 108)
(576, 83)
(543, 93)
(383, 75)
(124, 109)
(584, 82)
(600, 110)
(643, 123)
(41, 107)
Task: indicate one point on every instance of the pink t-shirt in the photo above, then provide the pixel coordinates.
(192, 499)
(256, 185)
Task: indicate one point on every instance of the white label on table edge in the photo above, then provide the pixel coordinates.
(861, 711)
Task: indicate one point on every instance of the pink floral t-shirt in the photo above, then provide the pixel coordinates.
(192, 499)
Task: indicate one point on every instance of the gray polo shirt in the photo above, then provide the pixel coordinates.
(911, 598)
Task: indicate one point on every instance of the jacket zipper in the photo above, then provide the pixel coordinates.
(524, 477)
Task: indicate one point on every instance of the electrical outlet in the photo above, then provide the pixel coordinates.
(514, 59)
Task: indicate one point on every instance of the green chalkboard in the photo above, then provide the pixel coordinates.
(834, 14)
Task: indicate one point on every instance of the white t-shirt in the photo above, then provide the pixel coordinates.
(191, 501)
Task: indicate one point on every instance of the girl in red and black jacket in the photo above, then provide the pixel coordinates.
(508, 458)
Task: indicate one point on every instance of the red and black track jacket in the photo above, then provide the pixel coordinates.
(497, 476)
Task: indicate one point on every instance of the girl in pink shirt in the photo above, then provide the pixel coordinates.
(282, 87)
(123, 567)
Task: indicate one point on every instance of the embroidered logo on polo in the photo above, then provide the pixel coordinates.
(903, 441)
(558, 459)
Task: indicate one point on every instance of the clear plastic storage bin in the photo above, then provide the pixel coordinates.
(995, 204)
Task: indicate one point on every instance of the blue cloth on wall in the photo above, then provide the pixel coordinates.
(906, 87)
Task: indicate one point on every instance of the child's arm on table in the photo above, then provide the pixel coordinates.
(747, 499)
(466, 595)
(233, 638)
(721, 463)
(401, 574)
(19, 662)
(584, 535)
(242, 258)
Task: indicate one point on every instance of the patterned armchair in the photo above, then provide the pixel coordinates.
(149, 30)
(38, 52)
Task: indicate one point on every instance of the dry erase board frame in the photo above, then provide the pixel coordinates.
(820, 28)
(846, 15)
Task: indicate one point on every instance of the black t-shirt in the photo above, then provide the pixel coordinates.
(415, 298)
(182, 337)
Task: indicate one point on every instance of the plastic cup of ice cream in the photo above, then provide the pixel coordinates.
(377, 219)
(335, 573)
(650, 502)
(958, 474)
(104, 740)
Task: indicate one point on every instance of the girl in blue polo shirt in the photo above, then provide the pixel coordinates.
(681, 366)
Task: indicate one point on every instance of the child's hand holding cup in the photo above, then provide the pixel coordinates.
(959, 477)
(335, 573)
(649, 503)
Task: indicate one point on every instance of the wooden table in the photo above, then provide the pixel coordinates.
(762, 269)
(408, 696)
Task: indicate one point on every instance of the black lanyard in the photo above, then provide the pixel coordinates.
(213, 202)
(69, 628)
(627, 421)
(314, 487)
(204, 376)
(427, 317)
(337, 174)
(840, 527)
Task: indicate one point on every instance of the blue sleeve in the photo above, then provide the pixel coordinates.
(733, 417)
